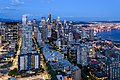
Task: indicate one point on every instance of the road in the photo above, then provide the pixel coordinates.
(15, 60)
(45, 74)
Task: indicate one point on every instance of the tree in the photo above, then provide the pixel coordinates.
(79, 65)
(13, 72)
(42, 70)
(53, 74)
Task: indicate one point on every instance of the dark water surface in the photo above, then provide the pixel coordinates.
(110, 35)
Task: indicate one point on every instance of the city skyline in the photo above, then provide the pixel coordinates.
(84, 9)
(55, 50)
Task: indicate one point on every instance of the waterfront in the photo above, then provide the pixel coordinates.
(110, 35)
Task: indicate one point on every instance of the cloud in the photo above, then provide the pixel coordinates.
(70, 16)
(28, 14)
(16, 2)
(8, 8)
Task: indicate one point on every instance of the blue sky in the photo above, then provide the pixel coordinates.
(14, 9)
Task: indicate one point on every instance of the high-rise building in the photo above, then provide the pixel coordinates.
(2, 30)
(78, 55)
(58, 43)
(24, 20)
(44, 33)
(26, 39)
(84, 34)
(70, 37)
(49, 18)
(43, 21)
(22, 62)
(72, 54)
(39, 38)
(0, 41)
(54, 23)
(113, 67)
(28, 61)
(65, 23)
(34, 24)
(44, 30)
(91, 33)
(11, 32)
(83, 55)
(54, 35)
(91, 52)
(49, 31)
(58, 19)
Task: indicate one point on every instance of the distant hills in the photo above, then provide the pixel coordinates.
(74, 21)
(8, 20)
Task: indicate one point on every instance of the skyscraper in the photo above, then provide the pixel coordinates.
(43, 21)
(91, 33)
(34, 24)
(11, 33)
(58, 43)
(49, 18)
(54, 23)
(24, 20)
(58, 19)
(0, 41)
(28, 61)
(49, 30)
(78, 55)
(113, 66)
(91, 51)
(70, 37)
(26, 39)
(83, 55)
(84, 34)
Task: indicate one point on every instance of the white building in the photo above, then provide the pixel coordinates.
(58, 43)
(58, 19)
(70, 36)
(24, 20)
(37, 61)
(23, 62)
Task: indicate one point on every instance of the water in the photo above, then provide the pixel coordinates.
(113, 35)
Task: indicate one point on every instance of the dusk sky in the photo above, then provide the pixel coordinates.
(14, 9)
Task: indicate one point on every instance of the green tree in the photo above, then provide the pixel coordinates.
(13, 72)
